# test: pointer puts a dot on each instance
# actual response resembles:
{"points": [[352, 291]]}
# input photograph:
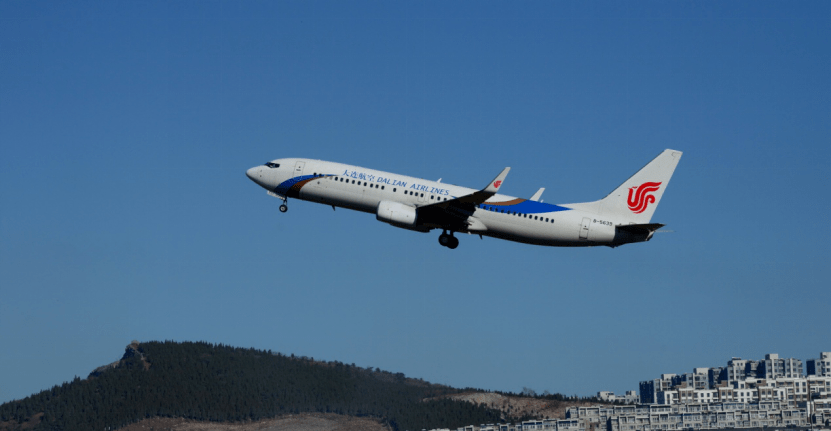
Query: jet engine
{"points": [[397, 214]]}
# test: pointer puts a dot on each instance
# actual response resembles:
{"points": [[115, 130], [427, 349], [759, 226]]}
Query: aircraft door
{"points": [[298, 168], [584, 228]]}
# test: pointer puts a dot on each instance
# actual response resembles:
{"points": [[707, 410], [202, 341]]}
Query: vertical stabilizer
{"points": [[636, 199]]}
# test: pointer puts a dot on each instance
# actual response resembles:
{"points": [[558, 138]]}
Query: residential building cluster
{"points": [[772, 392], [661, 417], [744, 381]]}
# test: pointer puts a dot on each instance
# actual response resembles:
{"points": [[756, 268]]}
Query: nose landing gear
{"points": [[448, 240], [283, 206]]}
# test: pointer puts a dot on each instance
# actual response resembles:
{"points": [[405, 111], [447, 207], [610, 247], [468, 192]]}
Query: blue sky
{"points": [[126, 129]]}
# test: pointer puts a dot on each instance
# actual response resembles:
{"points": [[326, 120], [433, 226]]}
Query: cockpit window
{"points": [[272, 165]]}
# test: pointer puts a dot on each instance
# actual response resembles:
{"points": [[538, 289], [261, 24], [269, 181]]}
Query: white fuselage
{"points": [[499, 216]]}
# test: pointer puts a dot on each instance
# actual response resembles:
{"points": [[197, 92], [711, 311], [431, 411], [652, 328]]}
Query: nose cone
{"points": [[252, 173], [256, 174]]}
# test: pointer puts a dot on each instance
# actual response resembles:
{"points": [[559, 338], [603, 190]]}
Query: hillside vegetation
{"points": [[207, 382]]}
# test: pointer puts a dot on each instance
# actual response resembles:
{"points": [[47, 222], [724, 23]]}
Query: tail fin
{"points": [[637, 198]]}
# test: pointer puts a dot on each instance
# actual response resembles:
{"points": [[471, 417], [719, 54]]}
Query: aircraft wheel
{"points": [[454, 242], [283, 208], [444, 239]]}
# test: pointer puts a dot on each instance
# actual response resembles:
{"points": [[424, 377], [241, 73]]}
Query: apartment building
{"points": [[631, 397], [774, 367], [649, 389], [819, 367]]}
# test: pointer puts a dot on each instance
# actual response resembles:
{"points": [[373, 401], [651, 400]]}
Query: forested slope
{"points": [[203, 381]]}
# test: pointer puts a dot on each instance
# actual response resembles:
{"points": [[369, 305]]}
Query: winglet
{"points": [[493, 187], [538, 194]]}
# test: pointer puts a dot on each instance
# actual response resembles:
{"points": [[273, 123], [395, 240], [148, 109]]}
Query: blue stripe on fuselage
{"points": [[528, 207], [284, 187]]}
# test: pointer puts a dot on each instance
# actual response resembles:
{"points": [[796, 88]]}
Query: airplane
{"points": [[622, 217]]}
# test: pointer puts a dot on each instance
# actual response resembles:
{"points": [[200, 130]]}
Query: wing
{"points": [[453, 214]]}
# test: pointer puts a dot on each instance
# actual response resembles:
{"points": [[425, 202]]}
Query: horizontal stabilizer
{"points": [[640, 228]]}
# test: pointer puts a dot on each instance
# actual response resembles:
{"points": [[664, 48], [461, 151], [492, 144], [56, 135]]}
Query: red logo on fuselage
{"points": [[497, 183], [640, 197]]}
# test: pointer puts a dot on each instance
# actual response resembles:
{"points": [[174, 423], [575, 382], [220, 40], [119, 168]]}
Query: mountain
{"points": [[200, 381]]}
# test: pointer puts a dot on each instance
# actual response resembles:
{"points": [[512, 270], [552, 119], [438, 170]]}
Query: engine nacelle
{"points": [[396, 213]]}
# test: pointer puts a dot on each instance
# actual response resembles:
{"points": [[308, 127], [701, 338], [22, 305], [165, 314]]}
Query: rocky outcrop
{"points": [[131, 351]]}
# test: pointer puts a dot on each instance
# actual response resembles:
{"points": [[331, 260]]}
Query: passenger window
{"points": [[382, 187], [394, 189]]}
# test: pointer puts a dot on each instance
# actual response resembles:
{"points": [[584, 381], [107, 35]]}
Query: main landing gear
{"points": [[284, 208], [448, 240]]}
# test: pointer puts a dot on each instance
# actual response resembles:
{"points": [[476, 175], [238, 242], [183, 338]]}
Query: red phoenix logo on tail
{"points": [[497, 184], [641, 196]]}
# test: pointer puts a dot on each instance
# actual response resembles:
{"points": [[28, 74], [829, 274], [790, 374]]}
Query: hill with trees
{"points": [[211, 382]]}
